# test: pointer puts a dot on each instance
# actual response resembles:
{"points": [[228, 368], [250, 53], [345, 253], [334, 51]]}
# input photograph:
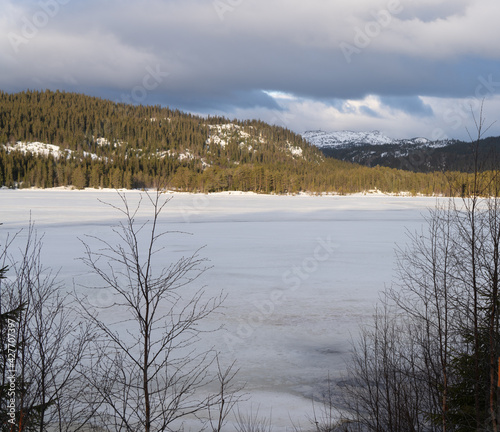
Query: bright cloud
{"points": [[382, 64]]}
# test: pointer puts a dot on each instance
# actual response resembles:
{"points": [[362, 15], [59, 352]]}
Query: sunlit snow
{"points": [[323, 139], [43, 149], [300, 273]]}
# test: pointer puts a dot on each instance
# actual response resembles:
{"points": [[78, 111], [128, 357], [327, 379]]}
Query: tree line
{"points": [[141, 147], [331, 176]]}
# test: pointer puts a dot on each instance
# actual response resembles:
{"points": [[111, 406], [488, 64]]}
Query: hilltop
{"points": [[415, 154]]}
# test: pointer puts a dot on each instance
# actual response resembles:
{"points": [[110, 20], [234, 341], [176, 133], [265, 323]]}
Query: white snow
{"points": [[225, 127], [300, 272], [43, 149], [295, 151], [180, 156], [217, 140], [330, 139], [222, 134], [38, 148], [421, 140], [102, 142], [348, 138], [187, 155], [105, 142]]}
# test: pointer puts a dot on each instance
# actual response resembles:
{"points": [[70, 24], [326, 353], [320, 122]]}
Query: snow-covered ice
{"points": [[300, 272]]}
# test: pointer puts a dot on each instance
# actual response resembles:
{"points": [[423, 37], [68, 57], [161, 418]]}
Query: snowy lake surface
{"points": [[301, 273]]}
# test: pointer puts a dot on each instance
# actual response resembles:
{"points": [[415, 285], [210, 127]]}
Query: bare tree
{"points": [[326, 416], [435, 346], [478, 244], [8, 316], [253, 422], [146, 367], [476, 238], [383, 389], [433, 352], [425, 293], [47, 343], [226, 399]]}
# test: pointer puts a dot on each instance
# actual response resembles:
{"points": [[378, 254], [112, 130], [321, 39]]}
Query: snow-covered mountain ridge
{"points": [[374, 148], [323, 139]]}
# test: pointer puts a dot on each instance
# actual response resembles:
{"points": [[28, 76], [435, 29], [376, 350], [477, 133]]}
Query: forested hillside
{"points": [[455, 155], [52, 139]]}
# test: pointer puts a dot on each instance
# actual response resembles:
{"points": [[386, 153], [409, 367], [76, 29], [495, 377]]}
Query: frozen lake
{"points": [[300, 272]]}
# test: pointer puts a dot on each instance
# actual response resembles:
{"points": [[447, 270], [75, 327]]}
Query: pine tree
{"points": [[79, 178]]}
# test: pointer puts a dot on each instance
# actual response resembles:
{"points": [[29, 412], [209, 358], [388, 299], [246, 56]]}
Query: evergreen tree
{"points": [[134, 146]]}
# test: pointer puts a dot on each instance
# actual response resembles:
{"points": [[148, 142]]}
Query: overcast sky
{"points": [[405, 67]]}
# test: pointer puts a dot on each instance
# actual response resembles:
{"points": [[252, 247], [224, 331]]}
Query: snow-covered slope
{"points": [[342, 138], [374, 148], [223, 134], [43, 149], [323, 139]]}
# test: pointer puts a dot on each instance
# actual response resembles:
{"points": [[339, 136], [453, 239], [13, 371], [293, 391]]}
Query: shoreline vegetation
{"points": [[371, 192]]}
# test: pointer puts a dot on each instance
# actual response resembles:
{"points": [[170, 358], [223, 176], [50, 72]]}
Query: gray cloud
{"points": [[433, 10], [410, 105], [222, 60]]}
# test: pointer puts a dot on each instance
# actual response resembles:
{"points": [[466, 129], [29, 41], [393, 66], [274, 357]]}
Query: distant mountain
{"points": [[415, 154], [345, 138], [350, 139]]}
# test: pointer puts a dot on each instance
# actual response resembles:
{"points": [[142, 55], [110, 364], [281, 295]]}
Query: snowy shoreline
{"points": [[368, 193]]}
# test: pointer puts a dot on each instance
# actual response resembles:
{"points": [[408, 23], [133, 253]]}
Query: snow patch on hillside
{"points": [[222, 134], [217, 140], [102, 142], [294, 150], [180, 156], [37, 149], [186, 155], [42, 149]]}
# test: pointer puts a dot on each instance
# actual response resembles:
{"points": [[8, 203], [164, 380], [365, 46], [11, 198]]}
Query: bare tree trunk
{"points": [[142, 380], [492, 243], [449, 295], [49, 343]]}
